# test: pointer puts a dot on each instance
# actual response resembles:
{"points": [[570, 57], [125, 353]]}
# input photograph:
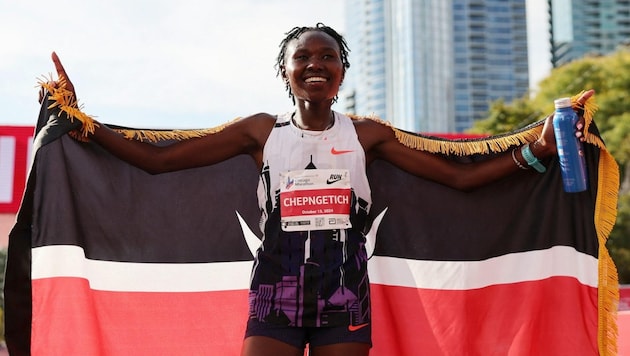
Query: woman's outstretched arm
{"points": [[380, 142]]}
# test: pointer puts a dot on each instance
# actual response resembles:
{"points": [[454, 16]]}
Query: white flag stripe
{"points": [[463, 275], [7, 164], [29, 156], [70, 261]]}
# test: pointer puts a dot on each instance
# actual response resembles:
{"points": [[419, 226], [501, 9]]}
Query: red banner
{"points": [[15, 157]]}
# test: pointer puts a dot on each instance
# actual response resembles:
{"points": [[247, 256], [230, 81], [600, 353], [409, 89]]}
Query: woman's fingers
{"points": [[585, 96], [61, 72]]}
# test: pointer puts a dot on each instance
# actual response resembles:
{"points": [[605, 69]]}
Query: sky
{"points": [[170, 64]]}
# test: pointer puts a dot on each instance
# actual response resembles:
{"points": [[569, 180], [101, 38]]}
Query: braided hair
{"points": [[295, 33]]}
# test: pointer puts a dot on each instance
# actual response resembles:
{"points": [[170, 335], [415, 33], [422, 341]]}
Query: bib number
{"points": [[315, 199]]}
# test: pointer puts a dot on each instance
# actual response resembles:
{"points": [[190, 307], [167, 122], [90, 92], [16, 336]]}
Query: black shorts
{"points": [[314, 336]]}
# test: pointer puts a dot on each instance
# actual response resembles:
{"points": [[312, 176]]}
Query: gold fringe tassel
{"points": [[608, 282], [494, 144], [178, 135], [605, 217], [605, 209], [64, 99]]}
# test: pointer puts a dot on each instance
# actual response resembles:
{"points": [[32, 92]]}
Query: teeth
{"points": [[315, 79]]}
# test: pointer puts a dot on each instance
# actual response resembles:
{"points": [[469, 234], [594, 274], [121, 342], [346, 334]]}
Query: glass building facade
{"points": [[491, 59], [434, 65], [364, 87], [587, 27]]}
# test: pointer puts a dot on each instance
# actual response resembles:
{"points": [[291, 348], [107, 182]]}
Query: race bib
{"points": [[315, 199]]}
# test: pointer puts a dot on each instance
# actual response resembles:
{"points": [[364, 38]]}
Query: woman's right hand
{"points": [[61, 77]]}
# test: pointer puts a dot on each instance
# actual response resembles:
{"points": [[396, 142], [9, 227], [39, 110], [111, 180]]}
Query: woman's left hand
{"points": [[547, 142]]}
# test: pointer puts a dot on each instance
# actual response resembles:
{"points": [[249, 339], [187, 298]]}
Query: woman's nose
{"points": [[314, 64]]}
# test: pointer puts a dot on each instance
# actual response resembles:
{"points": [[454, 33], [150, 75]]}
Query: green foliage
{"points": [[617, 138], [619, 240], [610, 77], [507, 117], [3, 263]]}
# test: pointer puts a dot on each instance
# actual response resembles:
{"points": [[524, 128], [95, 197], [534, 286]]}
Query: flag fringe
{"points": [[65, 101], [178, 135], [608, 282], [605, 217], [490, 144], [607, 193], [459, 147]]}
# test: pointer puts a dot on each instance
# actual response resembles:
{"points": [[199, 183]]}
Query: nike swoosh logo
{"points": [[339, 152], [357, 327], [333, 180]]}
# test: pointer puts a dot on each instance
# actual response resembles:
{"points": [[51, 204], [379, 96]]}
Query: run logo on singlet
{"points": [[315, 199]]}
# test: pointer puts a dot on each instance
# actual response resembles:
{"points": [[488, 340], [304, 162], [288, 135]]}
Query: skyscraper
{"points": [[435, 65], [491, 59], [579, 28], [364, 87]]}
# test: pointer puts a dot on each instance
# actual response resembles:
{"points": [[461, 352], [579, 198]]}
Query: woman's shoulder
{"points": [[370, 123], [252, 128], [258, 121], [372, 131], [262, 117]]}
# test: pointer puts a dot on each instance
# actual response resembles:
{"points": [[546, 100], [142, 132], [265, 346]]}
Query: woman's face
{"points": [[313, 67]]}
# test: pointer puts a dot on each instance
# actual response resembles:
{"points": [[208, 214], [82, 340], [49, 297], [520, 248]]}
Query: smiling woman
{"points": [[332, 49], [313, 71], [309, 285]]}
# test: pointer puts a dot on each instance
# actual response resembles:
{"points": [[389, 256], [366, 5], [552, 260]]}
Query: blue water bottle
{"points": [[570, 148]]}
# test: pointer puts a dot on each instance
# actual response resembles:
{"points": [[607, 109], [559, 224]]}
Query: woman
{"points": [[314, 197]]}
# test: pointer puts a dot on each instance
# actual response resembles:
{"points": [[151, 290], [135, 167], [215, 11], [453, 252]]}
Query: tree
{"points": [[507, 117], [610, 77], [619, 242], [3, 262]]}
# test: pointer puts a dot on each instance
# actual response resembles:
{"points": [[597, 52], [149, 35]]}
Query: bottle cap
{"points": [[562, 103]]}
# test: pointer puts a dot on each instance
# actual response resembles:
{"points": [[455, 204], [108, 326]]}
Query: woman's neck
{"points": [[303, 127], [313, 117]]}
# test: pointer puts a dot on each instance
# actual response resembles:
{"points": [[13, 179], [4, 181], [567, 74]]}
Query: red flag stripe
{"points": [[84, 321], [471, 322], [554, 316]]}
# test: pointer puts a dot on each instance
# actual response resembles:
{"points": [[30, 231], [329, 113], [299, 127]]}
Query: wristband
{"points": [[518, 164], [531, 160]]}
